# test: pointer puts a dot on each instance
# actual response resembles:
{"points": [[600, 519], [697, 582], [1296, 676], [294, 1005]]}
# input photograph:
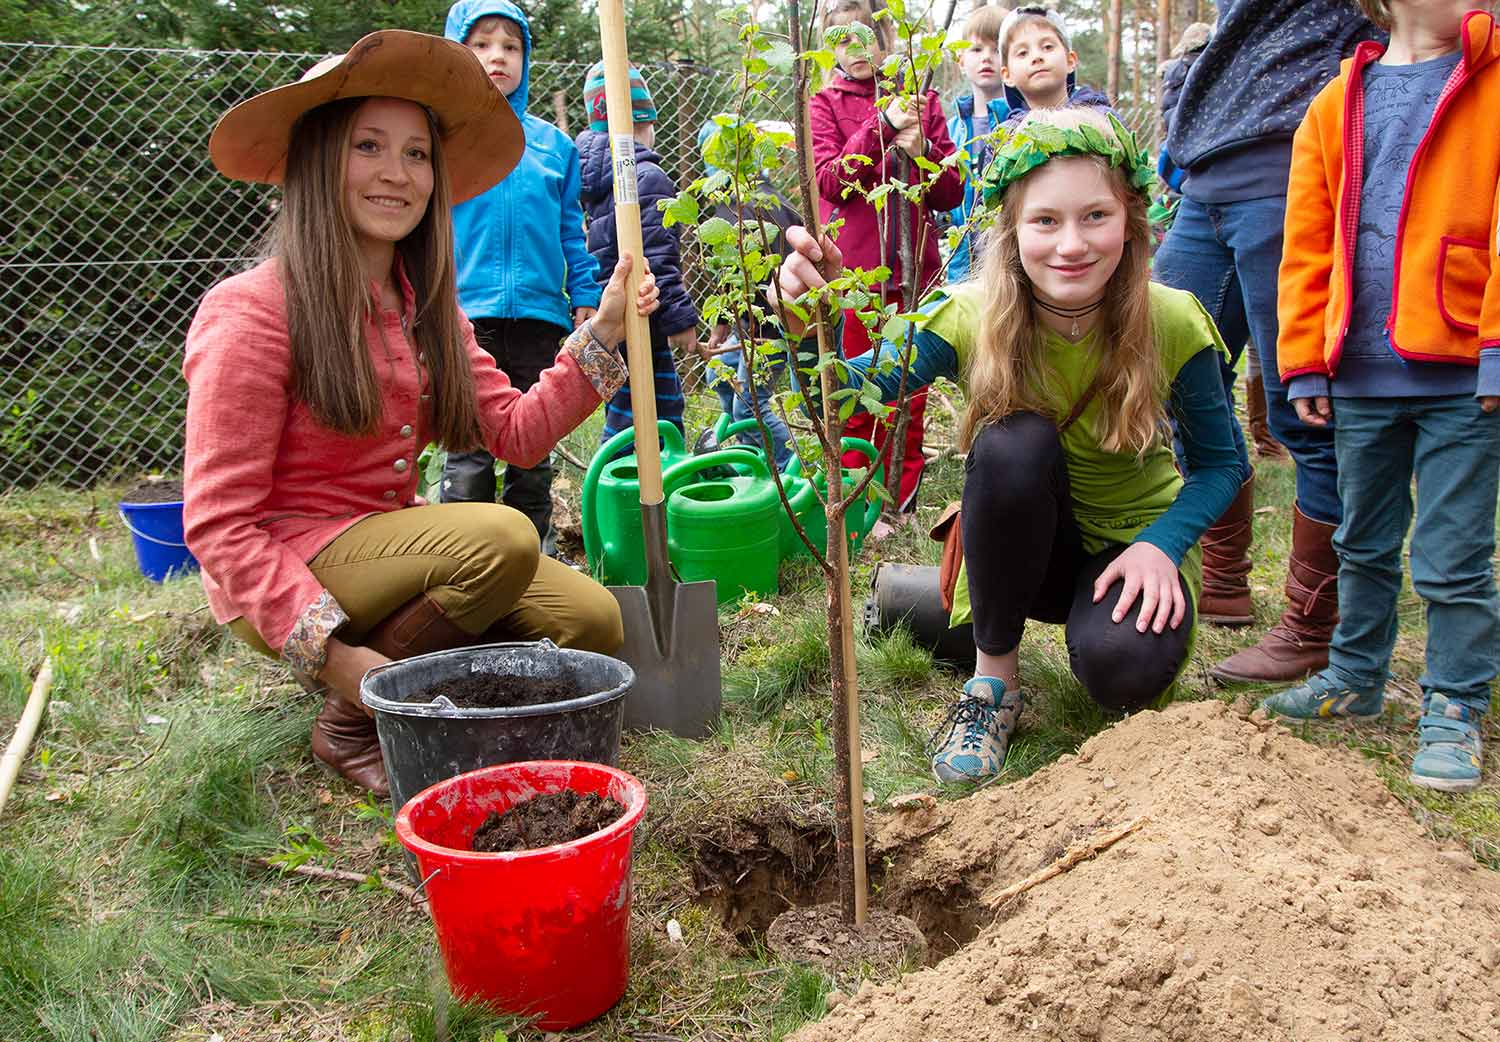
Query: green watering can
{"points": [[801, 495], [611, 507], [726, 529], [857, 522]]}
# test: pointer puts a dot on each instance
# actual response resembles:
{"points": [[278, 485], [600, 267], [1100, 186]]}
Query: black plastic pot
{"points": [[909, 595], [425, 742]]}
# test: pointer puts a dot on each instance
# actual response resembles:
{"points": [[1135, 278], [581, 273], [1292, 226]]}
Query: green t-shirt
{"points": [[1115, 495]]}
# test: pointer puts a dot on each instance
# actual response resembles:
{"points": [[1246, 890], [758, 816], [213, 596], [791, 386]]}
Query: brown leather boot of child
{"points": [[1298, 644], [1266, 445], [1226, 563]]}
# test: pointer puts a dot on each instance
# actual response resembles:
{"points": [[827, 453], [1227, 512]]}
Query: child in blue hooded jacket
{"points": [[525, 275]]}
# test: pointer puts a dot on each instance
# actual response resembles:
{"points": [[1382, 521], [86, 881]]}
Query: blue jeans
{"points": [[1453, 447], [1228, 255], [738, 405]]}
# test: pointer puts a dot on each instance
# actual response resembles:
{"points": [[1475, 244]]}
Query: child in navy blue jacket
{"points": [[675, 326], [525, 284]]}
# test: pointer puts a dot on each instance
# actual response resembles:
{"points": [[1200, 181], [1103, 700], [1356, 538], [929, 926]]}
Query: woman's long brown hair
{"points": [[329, 306], [1007, 373]]}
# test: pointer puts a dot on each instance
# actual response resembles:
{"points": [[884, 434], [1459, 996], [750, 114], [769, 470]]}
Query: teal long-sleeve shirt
{"points": [[1214, 470]]}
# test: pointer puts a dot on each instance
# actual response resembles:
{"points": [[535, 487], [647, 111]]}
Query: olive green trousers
{"points": [[479, 561]]}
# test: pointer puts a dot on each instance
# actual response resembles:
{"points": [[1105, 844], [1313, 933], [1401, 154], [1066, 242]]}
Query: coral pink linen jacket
{"points": [[267, 487]]}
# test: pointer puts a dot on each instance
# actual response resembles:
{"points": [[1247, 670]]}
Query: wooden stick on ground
{"points": [[31, 718], [1077, 853], [314, 872]]}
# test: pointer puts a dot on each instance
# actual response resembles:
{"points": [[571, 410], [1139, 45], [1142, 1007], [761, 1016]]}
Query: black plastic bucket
{"points": [[426, 742], [909, 595]]}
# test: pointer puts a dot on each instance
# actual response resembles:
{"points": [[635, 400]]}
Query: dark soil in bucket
{"points": [[546, 820], [154, 492], [504, 690], [819, 935]]}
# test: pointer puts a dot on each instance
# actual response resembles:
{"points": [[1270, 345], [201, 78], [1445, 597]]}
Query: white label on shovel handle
{"points": [[623, 147]]}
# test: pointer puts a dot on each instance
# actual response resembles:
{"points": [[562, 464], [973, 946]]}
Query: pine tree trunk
{"points": [[1112, 50]]}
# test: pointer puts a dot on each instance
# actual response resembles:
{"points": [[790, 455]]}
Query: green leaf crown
{"points": [[1018, 152]]}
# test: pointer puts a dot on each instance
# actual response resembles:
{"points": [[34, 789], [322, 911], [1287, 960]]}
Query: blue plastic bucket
{"points": [[156, 530]]}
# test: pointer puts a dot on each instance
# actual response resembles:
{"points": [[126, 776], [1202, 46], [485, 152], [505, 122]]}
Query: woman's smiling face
{"points": [[1070, 231], [388, 173]]}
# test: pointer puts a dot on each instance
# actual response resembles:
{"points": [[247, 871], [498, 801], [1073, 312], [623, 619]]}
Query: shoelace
{"points": [[975, 716]]}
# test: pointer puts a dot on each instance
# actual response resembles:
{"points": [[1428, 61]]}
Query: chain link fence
{"points": [[113, 224]]}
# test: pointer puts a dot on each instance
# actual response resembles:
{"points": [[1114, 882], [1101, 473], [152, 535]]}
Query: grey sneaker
{"points": [[1449, 750], [971, 742]]}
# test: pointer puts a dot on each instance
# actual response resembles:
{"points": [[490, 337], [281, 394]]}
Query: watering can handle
{"points": [[868, 450], [679, 472], [592, 540]]}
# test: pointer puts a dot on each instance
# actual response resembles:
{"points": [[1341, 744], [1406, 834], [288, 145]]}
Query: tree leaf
{"points": [[714, 231]]}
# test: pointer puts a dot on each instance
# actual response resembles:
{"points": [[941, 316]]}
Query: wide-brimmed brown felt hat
{"points": [[482, 138]]}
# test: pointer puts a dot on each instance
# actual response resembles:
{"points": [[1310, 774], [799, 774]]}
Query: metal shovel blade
{"points": [[677, 686], [671, 641]]}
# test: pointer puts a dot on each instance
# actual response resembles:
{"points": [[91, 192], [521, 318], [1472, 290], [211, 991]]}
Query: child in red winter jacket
{"points": [[856, 147]]}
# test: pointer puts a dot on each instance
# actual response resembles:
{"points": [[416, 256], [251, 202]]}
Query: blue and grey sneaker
{"points": [[1449, 750], [1322, 697], [970, 744]]}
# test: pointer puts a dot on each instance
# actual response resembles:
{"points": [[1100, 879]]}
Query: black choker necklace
{"points": [[1074, 313]]}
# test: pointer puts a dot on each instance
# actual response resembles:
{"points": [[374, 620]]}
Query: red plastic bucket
{"points": [[541, 933]]}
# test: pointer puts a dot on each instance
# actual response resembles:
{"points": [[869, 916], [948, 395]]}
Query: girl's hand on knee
{"points": [[1315, 412], [1148, 572]]}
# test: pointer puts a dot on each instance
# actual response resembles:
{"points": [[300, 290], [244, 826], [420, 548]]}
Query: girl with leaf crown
{"points": [[1073, 510]]}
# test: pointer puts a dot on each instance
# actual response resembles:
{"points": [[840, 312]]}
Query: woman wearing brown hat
{"points": [[315, 379]]}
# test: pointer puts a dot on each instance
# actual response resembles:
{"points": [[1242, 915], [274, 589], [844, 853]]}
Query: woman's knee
{"points": [[500, 552]]}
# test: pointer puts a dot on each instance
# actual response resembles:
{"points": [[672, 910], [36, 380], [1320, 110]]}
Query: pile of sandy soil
{"points": [[1275, 891]]}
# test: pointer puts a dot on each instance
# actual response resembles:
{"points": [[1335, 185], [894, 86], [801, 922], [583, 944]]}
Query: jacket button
{"points": [[389, 493], [406, 431], [400, 466]]}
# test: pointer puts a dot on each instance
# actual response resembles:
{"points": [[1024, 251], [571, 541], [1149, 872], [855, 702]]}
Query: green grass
{"points": [[133, 905]]}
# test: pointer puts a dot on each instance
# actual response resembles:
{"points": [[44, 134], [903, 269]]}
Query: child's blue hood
{"points": [[463, 15]]}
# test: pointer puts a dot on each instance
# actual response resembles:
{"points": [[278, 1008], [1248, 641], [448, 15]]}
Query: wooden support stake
{"points": [[31, 718]]}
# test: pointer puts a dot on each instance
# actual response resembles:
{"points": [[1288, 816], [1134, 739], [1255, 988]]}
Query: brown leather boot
{"points": [[1298, 644], [1266, 445], [344, 738], [1226, 563], [343, 735], [417, 627]]}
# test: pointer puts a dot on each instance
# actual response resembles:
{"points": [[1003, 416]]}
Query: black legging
{"points": [[1025, 560]]}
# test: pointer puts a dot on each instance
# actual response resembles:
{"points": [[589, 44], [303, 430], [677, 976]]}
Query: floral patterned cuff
{"points": [[306, 650], [599, 362]]}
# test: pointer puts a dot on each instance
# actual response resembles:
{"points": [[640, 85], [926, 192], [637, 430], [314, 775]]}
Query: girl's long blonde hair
{"points": [[1007, 372], [328, 301]]}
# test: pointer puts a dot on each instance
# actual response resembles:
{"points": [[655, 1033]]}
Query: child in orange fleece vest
{"points": [[1390, 322]]}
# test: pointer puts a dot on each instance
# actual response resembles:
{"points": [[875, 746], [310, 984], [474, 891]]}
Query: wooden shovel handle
{"points": [[628, 234]]}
